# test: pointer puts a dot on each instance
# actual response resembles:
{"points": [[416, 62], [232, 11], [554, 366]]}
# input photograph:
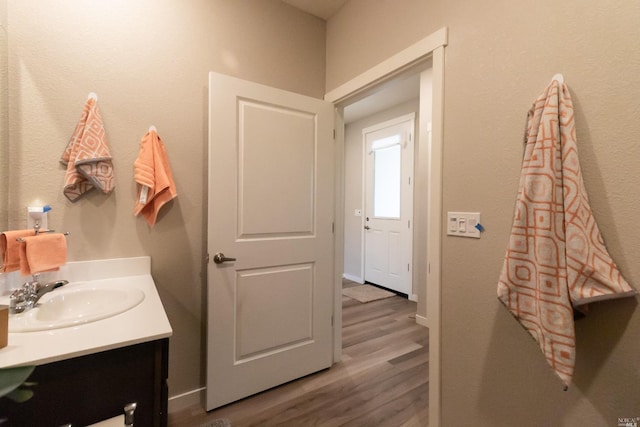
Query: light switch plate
{"points": [[463, 224]]}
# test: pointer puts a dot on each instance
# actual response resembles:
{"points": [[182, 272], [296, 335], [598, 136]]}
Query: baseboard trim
{"points": [[413, 297], [185, 400], [422, 321], [353, 278]]}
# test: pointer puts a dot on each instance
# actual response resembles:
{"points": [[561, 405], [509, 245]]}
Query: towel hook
{"points": [[92, 95], [558, 77], [153, 128]]}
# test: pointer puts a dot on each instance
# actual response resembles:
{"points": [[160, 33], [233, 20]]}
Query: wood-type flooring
{"points": [[381, 381]]}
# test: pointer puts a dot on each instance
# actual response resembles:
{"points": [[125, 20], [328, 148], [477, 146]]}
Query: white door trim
{"points": [[434, 229], [389, 123], [432, 47]]}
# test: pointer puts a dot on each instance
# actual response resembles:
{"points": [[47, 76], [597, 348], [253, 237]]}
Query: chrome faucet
{"points": [[29, 294]]}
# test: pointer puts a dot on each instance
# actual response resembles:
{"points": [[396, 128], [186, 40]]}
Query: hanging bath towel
{"points": [[87, 155], [44, 252], [153, 176], [556, 261]]}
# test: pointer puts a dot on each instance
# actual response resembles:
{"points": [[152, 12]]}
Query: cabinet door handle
{"points": [[129, 410]]}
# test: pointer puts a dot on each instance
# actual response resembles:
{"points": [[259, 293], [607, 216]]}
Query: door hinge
{"points": [[409, 223], [333, 227], [407, 267], [331, 320], [334, 134]]}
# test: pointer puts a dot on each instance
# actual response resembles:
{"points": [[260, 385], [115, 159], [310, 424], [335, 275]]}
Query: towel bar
{"points": [[20, 239]]}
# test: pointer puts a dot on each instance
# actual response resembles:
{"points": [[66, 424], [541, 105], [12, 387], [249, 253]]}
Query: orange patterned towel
{"points": [[44, 252], [556, 261], [10, 248], [87, 155], [153, 175]]}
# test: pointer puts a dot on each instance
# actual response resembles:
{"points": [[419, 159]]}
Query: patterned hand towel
{"points": [[10, 248], [87, 156], [44, 252], [556, 261], [153, 175]]}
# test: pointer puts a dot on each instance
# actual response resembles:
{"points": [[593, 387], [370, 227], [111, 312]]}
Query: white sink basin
{"points": [[75, 304]]}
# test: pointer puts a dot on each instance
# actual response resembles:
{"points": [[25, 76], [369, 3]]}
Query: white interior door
{"points": [[389, 203], [271, 203]]}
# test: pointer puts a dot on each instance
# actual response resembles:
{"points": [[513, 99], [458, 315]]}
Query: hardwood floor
{"points": [[382, 379]]}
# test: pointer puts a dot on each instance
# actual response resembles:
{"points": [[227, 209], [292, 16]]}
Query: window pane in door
{"points": [[386, 182]]}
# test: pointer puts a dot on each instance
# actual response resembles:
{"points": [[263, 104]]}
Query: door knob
{"points": [[219, 258], [366, 227]]}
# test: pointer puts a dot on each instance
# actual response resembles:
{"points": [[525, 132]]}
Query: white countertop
{"points": [[145, 322]]}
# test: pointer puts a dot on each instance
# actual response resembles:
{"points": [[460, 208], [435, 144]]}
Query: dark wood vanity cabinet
{"points": [[88, 389]]}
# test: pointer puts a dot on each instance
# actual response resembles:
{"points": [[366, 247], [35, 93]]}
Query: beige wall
{"points": [[4, 116], [501, 55], [148, 61]]}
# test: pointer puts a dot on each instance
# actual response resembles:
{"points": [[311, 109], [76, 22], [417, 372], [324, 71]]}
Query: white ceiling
{"points": [[321, 8]]}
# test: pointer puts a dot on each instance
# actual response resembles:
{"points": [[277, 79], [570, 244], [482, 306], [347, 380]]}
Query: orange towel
{"points": [[87, 156], [153, 175], [44, 252], [10, 248], [556, 261]]}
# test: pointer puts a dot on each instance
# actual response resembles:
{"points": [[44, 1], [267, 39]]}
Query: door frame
{"points": [[430, 47], [410, 117]]}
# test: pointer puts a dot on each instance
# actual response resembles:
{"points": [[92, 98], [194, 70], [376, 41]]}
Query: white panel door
{"points": [[271, 208], [389, 204]]}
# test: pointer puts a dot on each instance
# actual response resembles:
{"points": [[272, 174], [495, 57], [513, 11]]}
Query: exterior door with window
{"points": [[389, 203]]}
